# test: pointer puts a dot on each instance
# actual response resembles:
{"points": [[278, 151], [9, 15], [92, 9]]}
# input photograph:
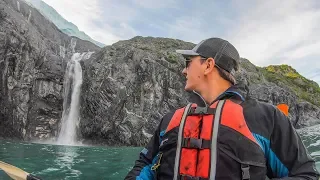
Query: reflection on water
{"points": [[66, 159]]}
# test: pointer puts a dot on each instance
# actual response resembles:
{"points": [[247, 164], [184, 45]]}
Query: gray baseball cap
{"points": [[223, 52]]}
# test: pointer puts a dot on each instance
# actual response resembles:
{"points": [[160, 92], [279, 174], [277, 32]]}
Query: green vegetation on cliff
{"points": [[304, 88]]}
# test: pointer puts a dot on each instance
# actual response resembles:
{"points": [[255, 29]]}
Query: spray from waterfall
{"points": [[71, 99]]}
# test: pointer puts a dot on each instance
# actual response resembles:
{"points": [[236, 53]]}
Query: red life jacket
{"points": [[196, 153]]}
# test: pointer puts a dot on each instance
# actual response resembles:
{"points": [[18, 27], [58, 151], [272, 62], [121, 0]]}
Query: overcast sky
{"points": [[265, 32]]}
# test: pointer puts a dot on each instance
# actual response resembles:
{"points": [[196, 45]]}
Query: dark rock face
{"points": [[130, 85], [127, 87], [33, 56]]}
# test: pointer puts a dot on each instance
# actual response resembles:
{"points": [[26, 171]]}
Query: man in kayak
{"points": [[224, 134]]}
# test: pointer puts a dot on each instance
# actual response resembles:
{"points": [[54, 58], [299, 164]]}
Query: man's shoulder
{"points": [[259, 106], [168, 116], [259, 117], [170, 113]]}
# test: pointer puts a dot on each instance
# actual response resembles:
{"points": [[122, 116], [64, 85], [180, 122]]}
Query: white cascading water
{"points": [[72, 89]]}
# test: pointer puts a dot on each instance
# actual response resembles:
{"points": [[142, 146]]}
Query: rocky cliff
{"points": [[130, 85], [127, 87], [280, 87], [33, 56]]}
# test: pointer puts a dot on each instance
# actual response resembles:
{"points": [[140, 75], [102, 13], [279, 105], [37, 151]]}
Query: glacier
{"points": [[65, 26]]}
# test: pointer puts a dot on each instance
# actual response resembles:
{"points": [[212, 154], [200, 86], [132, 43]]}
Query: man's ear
{"points": [[209, 66]]}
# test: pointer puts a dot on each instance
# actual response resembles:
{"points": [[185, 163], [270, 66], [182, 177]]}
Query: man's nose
{"points": [[184, 71]]}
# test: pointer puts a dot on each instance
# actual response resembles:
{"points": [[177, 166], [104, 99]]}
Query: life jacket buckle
{"points": [[245, 172], [201, 110], [194, 143]]}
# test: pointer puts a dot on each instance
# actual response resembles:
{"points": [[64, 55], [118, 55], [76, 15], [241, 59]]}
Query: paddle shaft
{"points": [[17, 173], [32, 177]]}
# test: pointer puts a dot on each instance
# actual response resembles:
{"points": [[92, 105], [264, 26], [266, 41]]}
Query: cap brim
{"points": [[187, 52]]}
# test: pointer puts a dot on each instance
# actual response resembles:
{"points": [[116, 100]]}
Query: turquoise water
{"points": [[311, 139], [68, 162], [87, 162]]}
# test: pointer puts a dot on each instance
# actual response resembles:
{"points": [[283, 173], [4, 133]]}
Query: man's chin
{"points": [[188, 88]]}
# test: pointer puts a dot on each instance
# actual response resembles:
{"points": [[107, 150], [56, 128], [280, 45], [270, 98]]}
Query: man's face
{"points": [[194, 72]]}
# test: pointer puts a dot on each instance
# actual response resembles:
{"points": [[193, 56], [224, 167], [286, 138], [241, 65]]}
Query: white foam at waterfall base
{"points": [[72, 90]]}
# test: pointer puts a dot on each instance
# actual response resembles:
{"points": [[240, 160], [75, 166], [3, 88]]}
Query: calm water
{"points": [[84, 162]]}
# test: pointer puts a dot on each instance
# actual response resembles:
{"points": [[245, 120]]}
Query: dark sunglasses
{"points": [[189, 59]]}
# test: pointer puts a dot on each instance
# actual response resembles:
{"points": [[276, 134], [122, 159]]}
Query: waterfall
{"points": [[71, 97]]}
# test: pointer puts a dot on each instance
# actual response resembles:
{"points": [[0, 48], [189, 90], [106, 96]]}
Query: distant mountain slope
{"points": [[64, 25]]}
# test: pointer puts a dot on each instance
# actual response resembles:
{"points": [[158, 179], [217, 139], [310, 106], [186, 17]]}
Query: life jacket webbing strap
{"points": [[213, 163], [194, 143], [201, 111], [179, 143], [186, 177]]}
